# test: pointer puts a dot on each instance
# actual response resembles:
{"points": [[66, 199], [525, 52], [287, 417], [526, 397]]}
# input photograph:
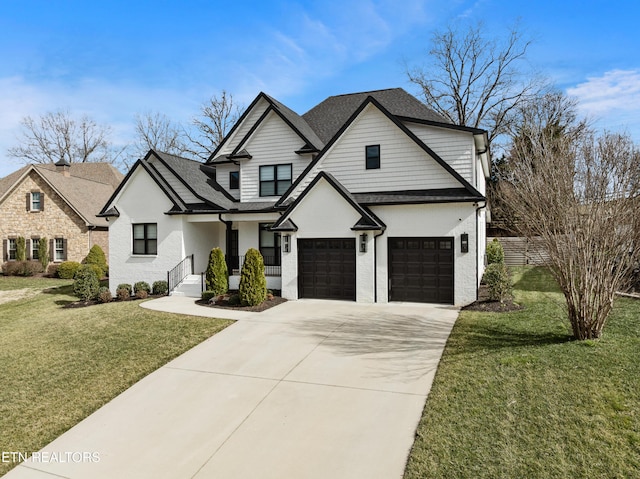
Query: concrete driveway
{"points": [[308, 389]]}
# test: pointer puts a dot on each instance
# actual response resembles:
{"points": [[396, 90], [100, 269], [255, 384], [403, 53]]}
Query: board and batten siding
{"points": [[174, 182], [453, 146], [403, 164], [242, 130], [273, 143]]}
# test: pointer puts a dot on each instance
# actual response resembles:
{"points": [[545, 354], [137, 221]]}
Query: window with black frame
{"points": [[269, 245], [145, 238], [275, 180]]}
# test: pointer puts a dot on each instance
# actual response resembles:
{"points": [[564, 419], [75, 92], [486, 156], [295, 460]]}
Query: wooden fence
{"points": [[522, 251]]}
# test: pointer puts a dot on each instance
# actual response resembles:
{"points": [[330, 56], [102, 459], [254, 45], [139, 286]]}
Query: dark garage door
{"points": [[421, 270], [327, 268]]}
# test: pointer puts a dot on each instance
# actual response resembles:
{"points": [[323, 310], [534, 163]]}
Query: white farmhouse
{"points": [[368, 197]]}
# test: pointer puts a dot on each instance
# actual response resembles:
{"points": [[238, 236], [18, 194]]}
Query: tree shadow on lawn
{"points": [[537, 279], [66, 290], [483, 337]]}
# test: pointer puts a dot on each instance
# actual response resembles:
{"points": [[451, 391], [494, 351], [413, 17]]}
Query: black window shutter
{"points": [[28, 201], [52, 253], [5, 253], [41, 201], [28, 248], [64, 249]]}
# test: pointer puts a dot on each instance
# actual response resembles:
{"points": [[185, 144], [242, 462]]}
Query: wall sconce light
{"points": [[464, 242], [363, 243], [286, 243]]}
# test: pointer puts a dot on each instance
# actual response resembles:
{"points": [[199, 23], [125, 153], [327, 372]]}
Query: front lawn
{"points": [[514, 396], [59, 365]]}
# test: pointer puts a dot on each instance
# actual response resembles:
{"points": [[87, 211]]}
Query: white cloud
{"points": [[616, 89], [612, 99]]}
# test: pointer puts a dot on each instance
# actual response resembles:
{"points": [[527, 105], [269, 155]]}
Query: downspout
{"points": [[375, 265], [484, 246], [227, 239]]}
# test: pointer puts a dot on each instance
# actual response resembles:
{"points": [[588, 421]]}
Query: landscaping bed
{"points": [[229, 301]]}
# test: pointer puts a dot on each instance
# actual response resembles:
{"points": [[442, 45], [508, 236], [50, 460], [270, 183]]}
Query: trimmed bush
{"points": [[217, 276], [86, 283], [160, 288], [209, 295], [498, 280], [97, 270], [21, 249], [234, 300], [104, 295], [52, 270], [253, 283], [123, 291], [43, 252], [495, 252], [96, 256], [21, 268], [141, 289], [68, 269]]}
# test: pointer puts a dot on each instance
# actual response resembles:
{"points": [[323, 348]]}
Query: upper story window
{"points": [[372, 153], [275, 180], [145, 238], [234, 180], [35, 201]]}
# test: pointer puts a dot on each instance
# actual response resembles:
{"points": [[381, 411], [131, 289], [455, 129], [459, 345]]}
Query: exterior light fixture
{"points": [[286, 243], [464, 243], [363, 243]]}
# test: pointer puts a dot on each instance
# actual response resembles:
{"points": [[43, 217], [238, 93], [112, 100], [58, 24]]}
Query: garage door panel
{"points": [[421, 270], [327, 268]]}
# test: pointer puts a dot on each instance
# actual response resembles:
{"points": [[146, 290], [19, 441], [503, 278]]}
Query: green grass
{"points": [[514, 396], [59, 365]]}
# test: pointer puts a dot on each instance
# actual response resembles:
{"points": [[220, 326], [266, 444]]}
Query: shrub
{"points": [[209, 295], [97, 270], [495, 252], [21, 249], [52, 269], [96, 256], [141, 289], [21, 268], [160, 288], [68, 269], [43, 252], [253, 283], [104, 295], [498, 280], [217, 276], [86, 283], [123, 291], [234, 300]]}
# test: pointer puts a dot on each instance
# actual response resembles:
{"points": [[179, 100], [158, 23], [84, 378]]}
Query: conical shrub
{"points": [[253, 283], [216, 276]]}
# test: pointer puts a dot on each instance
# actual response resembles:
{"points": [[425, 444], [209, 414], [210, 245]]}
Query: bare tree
{"points": [[576, 194], [216, 117], [57, 135], [155, 131], [475, 81]]}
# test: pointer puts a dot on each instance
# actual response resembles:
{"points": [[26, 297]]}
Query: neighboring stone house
{"points": [[370, 197], [58, 202]]}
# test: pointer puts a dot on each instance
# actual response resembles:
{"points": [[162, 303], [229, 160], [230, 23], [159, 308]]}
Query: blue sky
{"points": [[114, 59]]}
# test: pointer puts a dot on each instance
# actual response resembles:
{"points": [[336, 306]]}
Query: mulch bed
{"points": [[485, 304], [224, 304]]}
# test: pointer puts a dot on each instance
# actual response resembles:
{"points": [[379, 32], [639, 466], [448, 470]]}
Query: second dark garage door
{"points": [[327, 268], [421, 270]]}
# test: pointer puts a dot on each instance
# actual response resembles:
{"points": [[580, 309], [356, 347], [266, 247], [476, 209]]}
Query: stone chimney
{"points": [[63, 166]]}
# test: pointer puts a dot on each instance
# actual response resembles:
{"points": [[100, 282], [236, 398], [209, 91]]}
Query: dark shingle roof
{"points": [[329, 116], [443, 195], [299, 123]]}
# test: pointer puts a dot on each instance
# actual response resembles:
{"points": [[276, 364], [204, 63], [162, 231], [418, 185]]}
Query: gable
{"points": [[324, 212], [244, 125], [140, 194], [272, 143], [404, 164]]}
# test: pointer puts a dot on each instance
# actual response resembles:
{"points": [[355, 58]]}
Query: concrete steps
{"points": [[190, 287]]}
